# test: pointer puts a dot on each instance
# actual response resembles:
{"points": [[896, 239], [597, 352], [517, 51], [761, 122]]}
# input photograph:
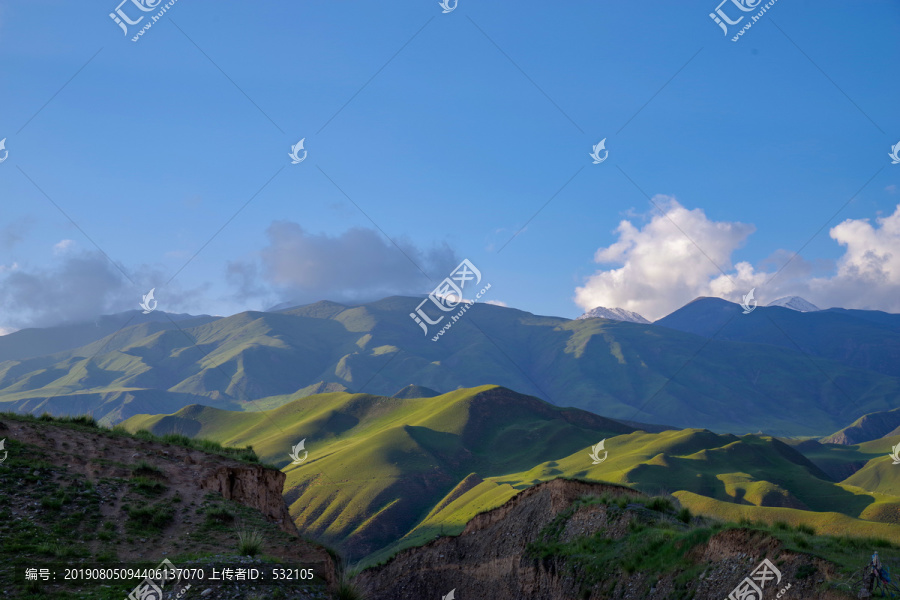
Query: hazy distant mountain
{"points": [[795, 303], [614, 314], [32, 342], [283, 306], [858, 338], [626, 371]]}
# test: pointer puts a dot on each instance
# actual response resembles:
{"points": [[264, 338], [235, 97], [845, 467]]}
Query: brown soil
{"points": [[190, 481], [488, 559]]}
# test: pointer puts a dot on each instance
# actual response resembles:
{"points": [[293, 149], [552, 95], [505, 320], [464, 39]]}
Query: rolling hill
{"points": [[386, 473], [376, 464], [868, 428]]}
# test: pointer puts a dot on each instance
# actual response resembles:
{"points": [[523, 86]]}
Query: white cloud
{"points": [[63, 246], [868, 274], [497, 303], [661, 269]]}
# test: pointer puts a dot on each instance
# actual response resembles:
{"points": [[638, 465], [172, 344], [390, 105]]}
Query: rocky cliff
{"points": [[495, 556], [131, 498], [254, 486]]}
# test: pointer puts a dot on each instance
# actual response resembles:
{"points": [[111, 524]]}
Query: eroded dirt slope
{"points": [[491, 558], [78, 494]]}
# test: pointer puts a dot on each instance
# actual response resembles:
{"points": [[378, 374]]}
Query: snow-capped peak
{"points": [[795, 303], [614, 314]]}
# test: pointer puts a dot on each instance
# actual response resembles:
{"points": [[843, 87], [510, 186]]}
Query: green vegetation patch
{"points": [[83, 422], [657, 542], [659, 538], [149, 519]]}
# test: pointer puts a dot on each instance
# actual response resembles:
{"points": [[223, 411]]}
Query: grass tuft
{"points": [[249, 542]]}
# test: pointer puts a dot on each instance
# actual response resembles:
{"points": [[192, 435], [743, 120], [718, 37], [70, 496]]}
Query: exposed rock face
{"points": [[488, 559], [190, 474], [253, 486]]}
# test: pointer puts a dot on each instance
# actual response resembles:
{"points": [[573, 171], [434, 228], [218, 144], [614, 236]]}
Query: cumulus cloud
{"points": [[359, 264], [497, 303], [868, 274], [662, 264], [660, 269]]}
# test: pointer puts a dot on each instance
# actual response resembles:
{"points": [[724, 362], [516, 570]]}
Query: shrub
{"points": [[86, 420], [149, 519], [805, 571], [660, 504], [219, 514], [147, 486], [143, 468]]}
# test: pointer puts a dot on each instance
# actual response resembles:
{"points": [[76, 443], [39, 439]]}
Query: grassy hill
{"points": [[377, 465], [627, 371], [867, 428], [387, 473], [720, 476]]}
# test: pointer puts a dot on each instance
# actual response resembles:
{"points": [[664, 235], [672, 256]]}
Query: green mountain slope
{"points": [[867, 428], [879, 474], [377, 465], [386, 473], [722, 476], [627, 371], [33, 341]]}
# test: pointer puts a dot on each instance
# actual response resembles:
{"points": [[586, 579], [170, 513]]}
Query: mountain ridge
{"points": [[624, 371]]}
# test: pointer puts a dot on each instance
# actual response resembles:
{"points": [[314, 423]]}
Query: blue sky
{"points": [[446, 133]]}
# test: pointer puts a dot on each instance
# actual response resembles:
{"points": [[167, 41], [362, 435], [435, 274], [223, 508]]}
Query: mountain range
{"points": [[620, 314], [864, 339], [705, 365]]}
